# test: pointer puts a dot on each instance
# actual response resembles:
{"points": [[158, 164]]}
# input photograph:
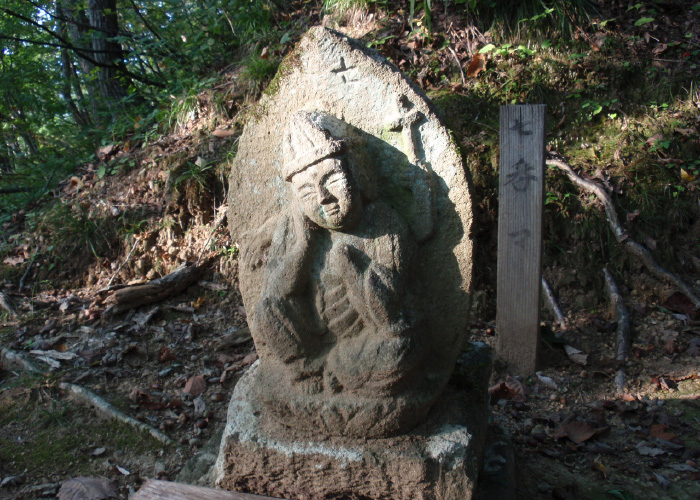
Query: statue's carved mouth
{"points": [[331, 210]]}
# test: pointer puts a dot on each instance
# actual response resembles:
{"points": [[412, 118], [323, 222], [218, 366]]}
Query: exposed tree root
{"points": [[11, 360], [622, 236], [6, 304], [552, 304], [88, 397], [156, 290], [623, 328]]}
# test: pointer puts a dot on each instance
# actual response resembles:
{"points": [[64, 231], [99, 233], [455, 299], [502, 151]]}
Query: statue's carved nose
{"points": [[324, 196]]}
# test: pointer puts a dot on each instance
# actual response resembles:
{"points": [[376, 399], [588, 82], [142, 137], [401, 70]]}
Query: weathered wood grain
{"points": [[165, 490], [521, 194]]}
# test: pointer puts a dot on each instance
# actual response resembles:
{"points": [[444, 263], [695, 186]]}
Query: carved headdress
{"points": [[306, 143]]}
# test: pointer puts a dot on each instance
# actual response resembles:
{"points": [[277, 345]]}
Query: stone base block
{"points": [[438, 460]]}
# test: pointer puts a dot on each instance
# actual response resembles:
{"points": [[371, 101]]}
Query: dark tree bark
{"points": [[70, 78], [108, 52], [19, 123], [7, 164], [76, 30]]}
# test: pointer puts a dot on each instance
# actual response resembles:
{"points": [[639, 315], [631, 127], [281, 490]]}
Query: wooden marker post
{"points": [[520, 200]]}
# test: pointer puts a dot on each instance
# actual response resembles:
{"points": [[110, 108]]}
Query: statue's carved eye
{"points": [[307, 191], [336, 181]]}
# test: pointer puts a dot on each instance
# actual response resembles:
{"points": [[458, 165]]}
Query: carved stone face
{"points": [[328, 195]]}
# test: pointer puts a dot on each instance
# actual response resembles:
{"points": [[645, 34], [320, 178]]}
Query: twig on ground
{"points": [[459, 65], [552, 304], [218, 222], [88, 397], [623, 328], [128, 256], [6, 303], [623, 236], [26, 273], [15, 360]]}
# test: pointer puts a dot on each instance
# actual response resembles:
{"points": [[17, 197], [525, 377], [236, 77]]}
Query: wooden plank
{"points": [[521, 194], [165, 490]]}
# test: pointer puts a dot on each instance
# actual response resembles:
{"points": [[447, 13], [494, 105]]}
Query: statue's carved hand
{"points": [[339, 257]]}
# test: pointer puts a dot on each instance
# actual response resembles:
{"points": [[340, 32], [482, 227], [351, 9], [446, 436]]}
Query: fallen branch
{"points": [[552, 304], [90, 398], [623, 328], [7, 304], [26, 273], [622, 236], [17, 361], [156, 290]]}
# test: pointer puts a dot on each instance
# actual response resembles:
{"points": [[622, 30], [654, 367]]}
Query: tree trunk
{"points": [[19, 124], [103, 20], [76, 27], [70, 76]]}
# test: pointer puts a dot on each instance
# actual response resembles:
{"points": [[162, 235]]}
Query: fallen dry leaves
{"points": [[578, 432], [195, 386], [87, 488], [476, 66], [511, 389]]}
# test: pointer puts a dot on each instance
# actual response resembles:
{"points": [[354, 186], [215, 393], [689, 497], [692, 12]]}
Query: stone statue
{"points": [[336, 336], [352, 208]]}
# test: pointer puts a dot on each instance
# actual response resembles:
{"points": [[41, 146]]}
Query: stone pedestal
{"points": [[438, 460]]}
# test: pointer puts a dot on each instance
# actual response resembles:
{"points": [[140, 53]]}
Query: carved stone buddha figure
{"points": [[335, 337]]}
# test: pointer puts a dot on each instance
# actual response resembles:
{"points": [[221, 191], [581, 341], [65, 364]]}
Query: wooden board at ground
{"points": [[165, 490], [521, 193]]}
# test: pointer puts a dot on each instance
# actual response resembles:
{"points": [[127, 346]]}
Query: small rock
{"points": [[544, 487], [200, 407], [159, 469]]}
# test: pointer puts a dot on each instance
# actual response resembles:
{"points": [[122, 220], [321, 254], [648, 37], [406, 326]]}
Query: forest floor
{"points": [[140, 210]]}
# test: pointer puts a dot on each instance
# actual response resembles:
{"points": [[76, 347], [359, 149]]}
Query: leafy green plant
{"points": [[427, 14], [339, 8], [530, 18], [193, 172], [74, 228], [259, 69], [114, 166], [592, 107], [506, 49]]}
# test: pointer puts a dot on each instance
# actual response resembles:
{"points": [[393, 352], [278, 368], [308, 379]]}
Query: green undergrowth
{"points": [[628, 122], [41, 428]]}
